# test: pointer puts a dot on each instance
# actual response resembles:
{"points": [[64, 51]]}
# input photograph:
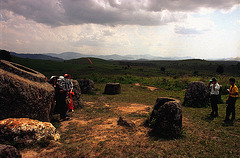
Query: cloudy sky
{"points": [[197, 28]]}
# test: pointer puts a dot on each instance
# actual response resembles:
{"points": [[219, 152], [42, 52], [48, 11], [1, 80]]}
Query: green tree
{"points": [[5, 55], [220, 69]]}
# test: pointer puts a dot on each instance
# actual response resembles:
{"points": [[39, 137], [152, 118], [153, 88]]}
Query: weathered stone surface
{"points": [[197, 95], [125, 122], [166, 117], [7, 151], [25, 131], [24, 93], [112, 88], [77, 100], [86, 86]]}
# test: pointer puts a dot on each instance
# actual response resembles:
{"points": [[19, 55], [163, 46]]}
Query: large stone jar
{"points": [[24, 93], [87, 86], [112, 88], [166, 117], [77, 100], [197, 95]]}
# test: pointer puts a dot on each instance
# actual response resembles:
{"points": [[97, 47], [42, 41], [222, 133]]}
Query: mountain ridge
{"points": [[74, 55], [36, 56]]}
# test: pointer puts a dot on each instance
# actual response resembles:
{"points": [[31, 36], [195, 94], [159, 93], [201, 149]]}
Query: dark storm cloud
{"points": [[190, 5], [109, 12]]}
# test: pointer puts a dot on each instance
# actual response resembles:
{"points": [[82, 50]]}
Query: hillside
{"points": [[74, 55], [108, 69], [36, 56]]}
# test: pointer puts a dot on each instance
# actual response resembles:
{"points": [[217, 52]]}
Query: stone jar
{"points": [[166, 117], [24, 93]]}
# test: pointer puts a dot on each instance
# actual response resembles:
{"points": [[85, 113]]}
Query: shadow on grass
{"points": [[208, 118], [156, 135], [227, 123]]}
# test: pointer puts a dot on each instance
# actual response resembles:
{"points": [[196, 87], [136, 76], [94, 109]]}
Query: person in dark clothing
{"points": [[61, 94], [233, 94], [214, 92]]}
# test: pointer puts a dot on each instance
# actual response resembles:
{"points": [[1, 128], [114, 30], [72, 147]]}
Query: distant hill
{"points": [[74, 55], [67, 55], [235, 59], [36, 56]]}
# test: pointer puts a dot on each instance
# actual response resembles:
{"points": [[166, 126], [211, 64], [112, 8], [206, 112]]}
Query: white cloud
{"points": [[194, 25], [238, 21], [163, 28], [111, 12]]}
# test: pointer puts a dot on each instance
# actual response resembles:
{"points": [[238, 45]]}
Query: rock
{"points": [[125, 122], [77, 100], [166, 117], [26, 131], [197, 95], [24, 93], [7, 151], [112, 88], [87, 86]]}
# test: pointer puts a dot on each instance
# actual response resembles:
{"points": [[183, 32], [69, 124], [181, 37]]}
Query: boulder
{"points": [[125, 122], [7, 151], [24, 93], [77, 100], [166, 117], [112, 88], [87, 86], [197, 95], [26, 131]]}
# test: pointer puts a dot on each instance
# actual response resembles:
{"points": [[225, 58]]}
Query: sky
{"points": [[203, 29]]}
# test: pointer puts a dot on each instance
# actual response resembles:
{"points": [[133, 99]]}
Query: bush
{"points": [[5, 55]]}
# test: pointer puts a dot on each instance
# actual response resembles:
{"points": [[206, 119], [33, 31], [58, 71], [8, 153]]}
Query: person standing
{"points": [[61, 99], [214, 93], [70, 92], [233, 94]]}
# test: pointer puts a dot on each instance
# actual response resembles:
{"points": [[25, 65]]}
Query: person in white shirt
{"points": [[214, 92]]}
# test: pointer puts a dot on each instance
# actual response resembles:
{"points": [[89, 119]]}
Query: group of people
{"points": [[231, 100], [64, 95]]}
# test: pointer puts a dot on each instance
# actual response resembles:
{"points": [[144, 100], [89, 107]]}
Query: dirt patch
{"points": [[148, 87], [78, 121], [102, 136], [134, 108], [29, 154], [91, 104]]}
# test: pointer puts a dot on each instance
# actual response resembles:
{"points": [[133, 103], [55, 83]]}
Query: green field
{"points": [[93, 131]]}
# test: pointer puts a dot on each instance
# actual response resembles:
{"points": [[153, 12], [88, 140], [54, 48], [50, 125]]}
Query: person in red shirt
{"points": [[70, 93]]}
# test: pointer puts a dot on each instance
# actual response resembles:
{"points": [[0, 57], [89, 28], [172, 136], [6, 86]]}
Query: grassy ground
{"points": [[93, 130]]}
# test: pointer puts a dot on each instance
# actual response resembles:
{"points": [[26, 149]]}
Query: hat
{"points": [[61, 77], [214, 79], [52, 77], [66, 75]]}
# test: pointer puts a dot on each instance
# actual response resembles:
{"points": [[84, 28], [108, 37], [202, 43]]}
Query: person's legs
{"points": [[230, 108], [212, 104], [63, 107], [233, 108], [214, 101], [228, 112], [216, 110]]}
